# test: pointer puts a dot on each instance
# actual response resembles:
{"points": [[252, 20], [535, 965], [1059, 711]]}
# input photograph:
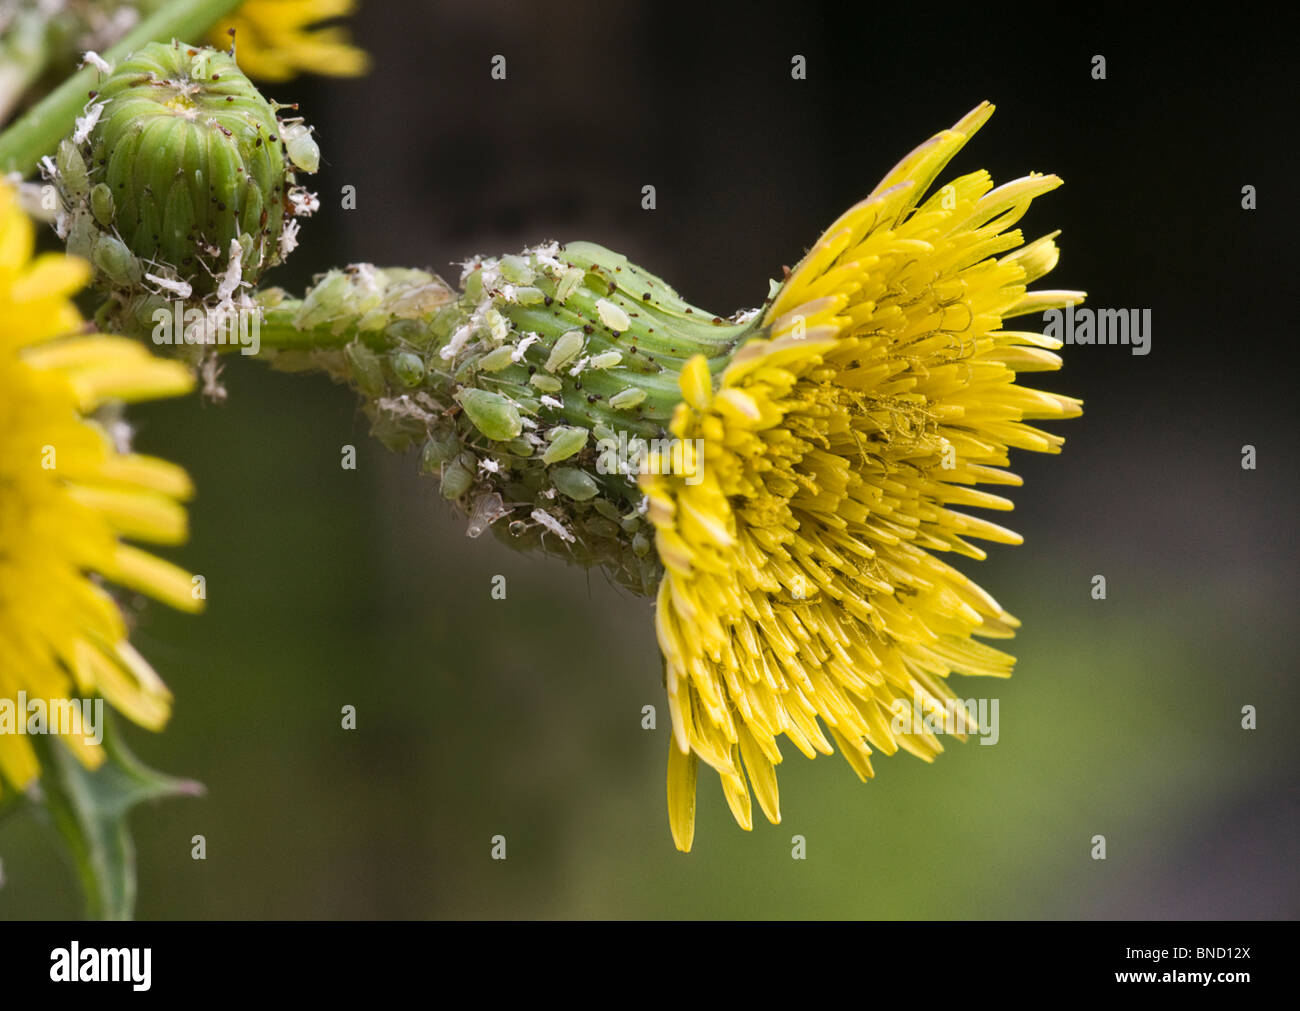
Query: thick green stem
{"points": [[280, 333], [542, 391], [41, 128]]}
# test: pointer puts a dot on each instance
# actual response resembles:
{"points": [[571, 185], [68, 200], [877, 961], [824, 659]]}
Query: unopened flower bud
{"points": [[182, 163]]}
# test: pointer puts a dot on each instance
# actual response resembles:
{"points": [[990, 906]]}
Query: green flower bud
{"points": [[182, 160]]}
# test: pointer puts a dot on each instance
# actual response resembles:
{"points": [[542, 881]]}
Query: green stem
{"points": [[278, 332], [41, 128]]}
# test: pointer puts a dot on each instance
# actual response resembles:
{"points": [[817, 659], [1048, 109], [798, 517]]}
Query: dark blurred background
{"points": [[478, 717]]}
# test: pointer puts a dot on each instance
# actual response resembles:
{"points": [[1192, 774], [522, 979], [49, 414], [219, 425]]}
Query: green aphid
{"points": [[497, 359], [607, 509], [598, 526], [441, 446], [458, 476], [114, 260], [300, 146], [366, 370], [102, 204], [570, 278], [574, 483], [567, 347], [516, 269], [627, 399], [491, 413], [408, 367], [565, 442], [605, 360], [72, 170]]}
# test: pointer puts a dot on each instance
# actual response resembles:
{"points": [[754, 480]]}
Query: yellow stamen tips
{"points": [[279, 39], [69, 496], [803, 586]]}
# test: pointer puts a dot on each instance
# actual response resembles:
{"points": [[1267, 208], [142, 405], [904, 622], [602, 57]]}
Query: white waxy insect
{"points": [[181, 289], [490, 274], [528, 341], [548, 255], [552, 524], [467, 267], [487, 510], [303, 202], [234, 275], [578, 366], [489, 465], [93, 59], [612, 315], [86, 123], [289, 239], [459, 338], [552, 402]]}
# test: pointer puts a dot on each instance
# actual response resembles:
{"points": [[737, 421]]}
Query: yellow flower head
{"points": [[803, 591], [69, 497], [275, 40]]}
